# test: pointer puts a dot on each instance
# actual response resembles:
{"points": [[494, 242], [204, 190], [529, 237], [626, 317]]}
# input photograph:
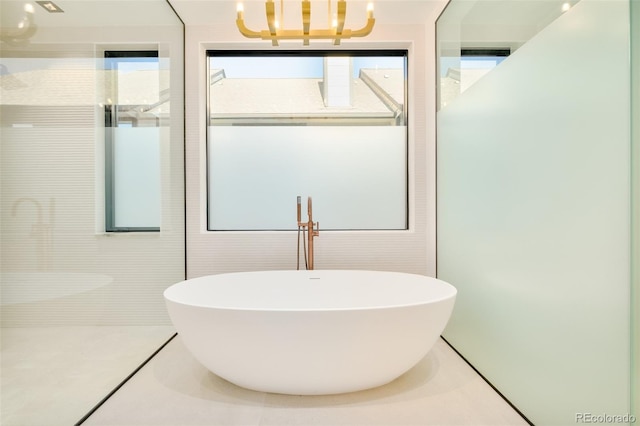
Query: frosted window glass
{"points": [[137, 177], [356, 176]]}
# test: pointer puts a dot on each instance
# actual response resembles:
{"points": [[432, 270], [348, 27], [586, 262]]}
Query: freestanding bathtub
{"points": [[310, 332]]}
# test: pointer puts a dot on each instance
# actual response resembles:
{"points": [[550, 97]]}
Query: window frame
{"points": [[111, 121], [392, 52]]}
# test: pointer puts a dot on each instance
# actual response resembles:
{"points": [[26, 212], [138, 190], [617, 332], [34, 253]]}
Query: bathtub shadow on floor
{"points": [[174, 389], [176, 369]]}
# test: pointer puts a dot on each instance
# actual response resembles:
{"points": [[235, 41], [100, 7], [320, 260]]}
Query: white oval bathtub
{"points": [[310, 332]]}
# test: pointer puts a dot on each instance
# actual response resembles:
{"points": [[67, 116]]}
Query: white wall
{"points": [[409, 251], [534, 218]]}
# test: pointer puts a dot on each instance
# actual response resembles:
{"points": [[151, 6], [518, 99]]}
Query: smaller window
{"points": [[458, 72], [132, 140]]}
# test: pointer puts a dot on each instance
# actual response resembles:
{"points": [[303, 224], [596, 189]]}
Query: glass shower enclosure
{"points": [[92, 198], [538, 202]]}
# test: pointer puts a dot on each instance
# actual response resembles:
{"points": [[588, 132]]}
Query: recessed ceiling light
{"points": [[50, 6]]}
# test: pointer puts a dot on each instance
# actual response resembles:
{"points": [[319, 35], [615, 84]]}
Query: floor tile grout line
{"points": [[488, 382], [121, 384]]}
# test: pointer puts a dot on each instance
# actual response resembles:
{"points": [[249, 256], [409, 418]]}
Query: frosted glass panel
{"points": [[635, 191], [533, 218], [137, 177], [356, 176], [468, 27]]}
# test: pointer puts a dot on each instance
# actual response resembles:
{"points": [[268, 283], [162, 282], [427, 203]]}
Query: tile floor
{"points": [[52, 376], [173, 389]]}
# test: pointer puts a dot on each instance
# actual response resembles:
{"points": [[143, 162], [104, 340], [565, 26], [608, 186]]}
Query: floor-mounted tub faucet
{"points": [[313, 230]]}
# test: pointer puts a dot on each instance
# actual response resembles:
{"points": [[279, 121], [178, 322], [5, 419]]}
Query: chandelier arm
{"points": [[342, 13], [246, 31], [242, 27], [364, 31], [271, 21], [306, 21]]}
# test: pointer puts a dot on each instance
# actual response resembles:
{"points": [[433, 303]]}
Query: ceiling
{"points": [[98, 13], [506, 17], [206, 12]]}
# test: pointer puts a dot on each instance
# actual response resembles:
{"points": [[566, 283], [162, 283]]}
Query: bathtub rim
{"points": [[452, 295]]}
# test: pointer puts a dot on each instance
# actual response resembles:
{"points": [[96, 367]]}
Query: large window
{"points": [[329, 125], [136, 99]]}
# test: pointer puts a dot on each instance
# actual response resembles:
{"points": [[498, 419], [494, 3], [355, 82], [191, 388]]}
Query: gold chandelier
{"points": [[335, 32]]}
